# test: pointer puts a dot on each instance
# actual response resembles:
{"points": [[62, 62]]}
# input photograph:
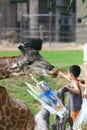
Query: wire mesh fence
{"points": [[48, 27]]}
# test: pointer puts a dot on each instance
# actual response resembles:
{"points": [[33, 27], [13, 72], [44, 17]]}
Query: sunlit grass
{"points": [[16, 86]]}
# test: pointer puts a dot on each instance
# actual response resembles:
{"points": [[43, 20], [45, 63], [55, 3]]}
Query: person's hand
{"points": [[85, 93], [81, 84], [60, 73], [67, 86], [81, 80]]}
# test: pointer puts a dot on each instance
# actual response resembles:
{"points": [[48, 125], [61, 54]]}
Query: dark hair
{"points": [[75, 70]]}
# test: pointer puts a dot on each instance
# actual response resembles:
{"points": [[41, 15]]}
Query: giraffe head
{"points": [[30, 61]]}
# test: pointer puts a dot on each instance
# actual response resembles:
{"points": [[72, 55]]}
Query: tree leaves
{"points": [[83, 1], [70, 4], [51, 3], [85, 16]]}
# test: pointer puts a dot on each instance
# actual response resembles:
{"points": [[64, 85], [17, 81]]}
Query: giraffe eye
{"points": [[29, 62]]}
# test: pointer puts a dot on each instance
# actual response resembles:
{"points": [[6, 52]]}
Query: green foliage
{"points": [[70, 4], [57, 58], [83, 1], [85, 16], [63, 59], [9, 53], [51, 3]]}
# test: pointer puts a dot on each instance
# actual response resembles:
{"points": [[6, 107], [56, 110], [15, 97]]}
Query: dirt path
{"points": [[62, 46], [5, 45]]}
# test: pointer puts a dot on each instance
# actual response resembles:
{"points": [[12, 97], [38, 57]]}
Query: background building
{"points": [[35, 18]]}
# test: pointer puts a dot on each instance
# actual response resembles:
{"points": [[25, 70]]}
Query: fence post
{"points": [[1, 24], [50, 28]]}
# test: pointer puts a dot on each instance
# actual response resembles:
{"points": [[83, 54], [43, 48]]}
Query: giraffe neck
{"points": [[14, 114], [4, 64]]}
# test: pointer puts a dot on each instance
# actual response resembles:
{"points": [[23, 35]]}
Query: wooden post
{"points": [[50, 28]]}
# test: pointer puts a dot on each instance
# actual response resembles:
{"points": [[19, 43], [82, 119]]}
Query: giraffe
{"points": [[29, 61], [4, 64], [14, 114]]}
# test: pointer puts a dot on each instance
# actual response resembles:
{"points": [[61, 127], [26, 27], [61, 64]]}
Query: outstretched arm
{"points": [[64, 76]]}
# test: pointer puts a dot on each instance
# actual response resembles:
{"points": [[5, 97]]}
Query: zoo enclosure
{"points": [[49, 27]]}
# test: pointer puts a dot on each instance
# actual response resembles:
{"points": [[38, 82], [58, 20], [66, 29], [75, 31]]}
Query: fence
{"points": [[9, 33], [49, 27]]}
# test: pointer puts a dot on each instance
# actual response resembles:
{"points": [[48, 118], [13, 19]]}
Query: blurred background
{"points": [[21, 20]]}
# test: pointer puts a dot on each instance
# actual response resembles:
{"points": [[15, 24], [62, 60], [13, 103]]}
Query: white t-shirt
{"points": [[85, 52]]}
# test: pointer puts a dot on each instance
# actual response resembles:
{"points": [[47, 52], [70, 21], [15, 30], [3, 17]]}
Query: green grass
{"points": [[9, 53], [63, 59], [60, 59], [55, 57], [16, 86]]}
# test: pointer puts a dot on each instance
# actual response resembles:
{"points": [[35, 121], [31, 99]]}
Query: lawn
{"points": [[57, 58], [62, 59]]}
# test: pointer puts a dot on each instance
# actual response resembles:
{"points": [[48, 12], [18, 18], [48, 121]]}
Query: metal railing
{"points": [[49, 27]]}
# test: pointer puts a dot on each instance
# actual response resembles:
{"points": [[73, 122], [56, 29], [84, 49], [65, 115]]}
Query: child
{"points": [[75, 99]]}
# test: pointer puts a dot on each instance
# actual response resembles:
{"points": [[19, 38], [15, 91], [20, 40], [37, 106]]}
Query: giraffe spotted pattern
{"points": [[14, 114]]}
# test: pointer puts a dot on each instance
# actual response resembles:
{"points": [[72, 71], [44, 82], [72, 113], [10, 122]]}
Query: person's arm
{"points": [[64, 76], [75, 89], [81, 85], [85, 69], [81, 80], [85, 75]]}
